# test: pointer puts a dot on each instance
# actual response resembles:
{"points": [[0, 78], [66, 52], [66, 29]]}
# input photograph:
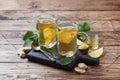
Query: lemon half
{"points": [[96, 53]]}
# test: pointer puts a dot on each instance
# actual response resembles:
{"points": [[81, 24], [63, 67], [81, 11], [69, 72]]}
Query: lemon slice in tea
{"points": [[96, 53], [66, 36], [49, 35]]}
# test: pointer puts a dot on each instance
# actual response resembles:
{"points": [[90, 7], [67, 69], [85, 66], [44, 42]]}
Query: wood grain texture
{"points": [[89, 5], [18, 16], [23, 25], [63, 15]]}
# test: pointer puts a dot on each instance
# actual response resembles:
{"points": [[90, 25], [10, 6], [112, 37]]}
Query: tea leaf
{"points": [[27, 35], [65, 61]]}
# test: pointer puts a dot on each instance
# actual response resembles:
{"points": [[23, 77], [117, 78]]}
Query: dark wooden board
{"points": [[80, 56]]}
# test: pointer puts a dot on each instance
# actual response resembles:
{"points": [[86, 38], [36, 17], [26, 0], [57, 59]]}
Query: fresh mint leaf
{"points": [[86, 27], [53, 52], [82, 37], [44, 48], [50, 50], [30, 38], [80, 28], [37, 27], [28, 43], [27, 35], [65, 61], [34, 38]]}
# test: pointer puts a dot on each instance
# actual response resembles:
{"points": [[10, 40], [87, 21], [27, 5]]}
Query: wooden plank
{"points": [[110, 55], [30, 25], [32, 70], [13, 37], [60, 5], [63, 15]]}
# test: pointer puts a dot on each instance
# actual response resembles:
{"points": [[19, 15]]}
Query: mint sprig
{"points": [[50, 50], [65, 61], [85, 27], [30, 38]]}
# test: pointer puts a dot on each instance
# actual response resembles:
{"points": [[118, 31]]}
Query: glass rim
{"points": [[64, 24], [54, 17]]}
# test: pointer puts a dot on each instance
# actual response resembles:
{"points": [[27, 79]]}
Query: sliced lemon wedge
{"points": [[79, 42], [67, 53], [66, 36], [84, 46], [49, 35], [96, 53]]}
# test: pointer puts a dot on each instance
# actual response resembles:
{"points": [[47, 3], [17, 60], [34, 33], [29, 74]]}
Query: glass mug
{"points": [[47, 26], [60, 38], [93, 41], [67, 39]]}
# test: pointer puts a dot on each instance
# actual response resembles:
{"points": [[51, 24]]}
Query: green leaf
{"points": [[28, 43], [50, 50], [37, 27], [27, 35], [34, 36], [53, 52], [44, 48], [80, 28], [65, 61], [86, 27], [82, 37], [35, 39]]}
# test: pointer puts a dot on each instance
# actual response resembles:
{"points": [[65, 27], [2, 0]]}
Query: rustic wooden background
{"points": [[18, 16]]}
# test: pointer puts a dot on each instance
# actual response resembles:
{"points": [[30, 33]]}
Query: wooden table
{"points": [[18, 16]]}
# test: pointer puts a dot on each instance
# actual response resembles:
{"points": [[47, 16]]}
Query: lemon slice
{"points": [[49, 35], [79, 42], [66, 36], [96, 53], [83, 46], [67, 53]]}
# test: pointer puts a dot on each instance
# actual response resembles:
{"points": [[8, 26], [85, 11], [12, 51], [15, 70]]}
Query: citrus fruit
{"points": [[67, 53], [66, 36], [49, 35], [84, 46], [79, 42], [96, 53]]}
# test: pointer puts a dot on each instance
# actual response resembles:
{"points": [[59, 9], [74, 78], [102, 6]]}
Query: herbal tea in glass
{"points": [[67, 37], [47, 26], [93, 41]]}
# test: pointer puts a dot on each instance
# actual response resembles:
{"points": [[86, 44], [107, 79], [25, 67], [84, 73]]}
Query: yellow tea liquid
{"points": [[67, 41], [47, 31]]}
